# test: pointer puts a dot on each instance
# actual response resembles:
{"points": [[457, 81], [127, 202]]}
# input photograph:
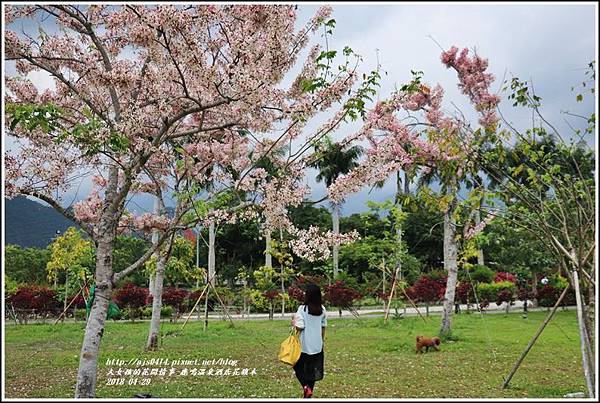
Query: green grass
{"points": [[363, 358]]}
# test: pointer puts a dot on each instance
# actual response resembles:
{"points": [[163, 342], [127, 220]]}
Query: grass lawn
{"points": [[363, 358]]}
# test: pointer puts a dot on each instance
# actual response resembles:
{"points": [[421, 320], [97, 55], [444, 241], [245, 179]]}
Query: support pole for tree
{"points": [[222, 303], [584, 341], [387, 309], [413, 305], [192, 311], [533, 339], [67, 307]]}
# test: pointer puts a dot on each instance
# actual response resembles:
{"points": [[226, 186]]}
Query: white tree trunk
{"points": [[88, 359], [152, 343], [268, 256], [450, 264], [66, 294], [335, 218], [211, 253], [588, 369], [480, 259], [155, 236]]}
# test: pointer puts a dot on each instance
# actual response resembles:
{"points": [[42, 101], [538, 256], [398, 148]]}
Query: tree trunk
{"points": [[155, 236], [268, 256], [450, 264], [211, 253], [480, 259], [590, 312], [152, 343], [335, 218], [534, 281], [66, 294], [282, 293], [588, 365], [88, 359]]}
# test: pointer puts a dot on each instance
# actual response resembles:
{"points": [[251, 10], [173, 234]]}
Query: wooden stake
{"points": [[67, 307], [192, 311], [387, 310], [222, 304], [533, 339], [414, 305]]}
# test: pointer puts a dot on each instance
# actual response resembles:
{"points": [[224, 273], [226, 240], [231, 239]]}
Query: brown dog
{"points": [[425, 342]]}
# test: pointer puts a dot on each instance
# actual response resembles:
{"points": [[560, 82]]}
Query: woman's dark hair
{"points": [[313, 300]]}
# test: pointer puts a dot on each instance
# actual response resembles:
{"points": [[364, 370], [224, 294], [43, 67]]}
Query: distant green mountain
{"points": [[31, 224]]}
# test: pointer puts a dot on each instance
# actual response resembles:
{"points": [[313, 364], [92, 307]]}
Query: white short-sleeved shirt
{"points": [[311, 338]]}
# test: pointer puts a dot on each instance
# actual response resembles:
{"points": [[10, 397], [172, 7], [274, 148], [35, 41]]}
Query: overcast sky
{"points": [[548, 43]]}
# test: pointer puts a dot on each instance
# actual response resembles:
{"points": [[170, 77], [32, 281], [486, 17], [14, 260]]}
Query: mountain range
{"points": [[28, 223]]}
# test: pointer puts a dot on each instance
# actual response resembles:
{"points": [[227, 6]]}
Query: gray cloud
{"points": [[548, 43]]}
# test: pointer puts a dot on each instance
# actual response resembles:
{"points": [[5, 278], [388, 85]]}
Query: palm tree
{"points": [[332, 161]]}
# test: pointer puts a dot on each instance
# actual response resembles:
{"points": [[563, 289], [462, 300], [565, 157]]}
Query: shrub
{"points": [[131, 296], [305, 279], [505, 292], [40, 299], [193, 297], [166, 311], [80, 314], [147, 312], [226, 294], [464, 292], [486, 293], [175, 297], [132, 313], [524, 293], [132, 299], [482, 274], [427, 289], [296, 294], [504, 276], [258, 301], [79, 301], [547, 295], [271, 295], [339, 294]]}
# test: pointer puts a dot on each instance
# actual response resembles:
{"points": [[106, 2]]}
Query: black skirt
{"points": [[310, 367]]}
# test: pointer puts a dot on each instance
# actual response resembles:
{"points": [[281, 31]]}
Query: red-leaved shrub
{"points": [[428, 290], [131, 296], [504, 276], [175, 297], [40, 299], [296, 293], [341, 295]]}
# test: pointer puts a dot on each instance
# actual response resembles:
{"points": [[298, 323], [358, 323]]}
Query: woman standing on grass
{"points": [[310, 320]]}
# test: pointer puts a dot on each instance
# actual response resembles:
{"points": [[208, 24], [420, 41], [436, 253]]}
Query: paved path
{"points": [[366, 312]]}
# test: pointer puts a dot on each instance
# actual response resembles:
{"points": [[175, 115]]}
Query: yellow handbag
{"points": [[290, 349]]}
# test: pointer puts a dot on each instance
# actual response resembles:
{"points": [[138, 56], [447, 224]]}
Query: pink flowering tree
{"points": [[165, 100], [437, 144]]}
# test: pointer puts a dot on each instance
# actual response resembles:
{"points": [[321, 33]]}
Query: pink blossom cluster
{"points": [[230, 216], [474, 82], [322, 14], [89, 209], [253, 180], [311, 244], [278, 195], [473, 231]]}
